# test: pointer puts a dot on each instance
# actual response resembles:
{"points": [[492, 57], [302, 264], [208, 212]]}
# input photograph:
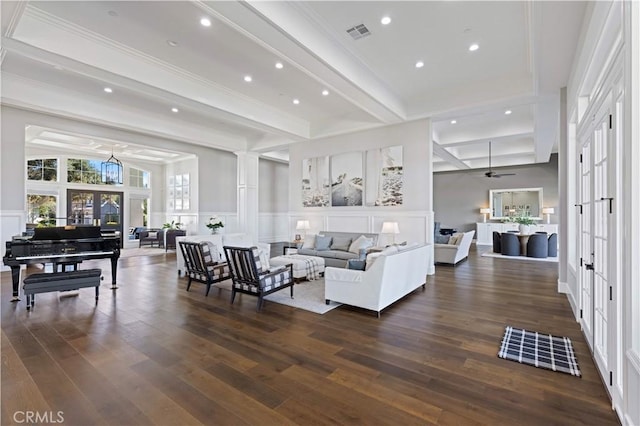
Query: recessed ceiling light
{"points": [[325, 92], [507, 112], [279, 65], [172, 43], [248, 78], [385, 20], [419, 64], [453, 121], [205, 22], [108, 89], [58, 67], [474, 47], [296, 101], [174, 109]]}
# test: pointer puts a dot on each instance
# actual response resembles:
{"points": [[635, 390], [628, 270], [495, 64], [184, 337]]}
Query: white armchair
{"points": [[392, 276], [454, 253]]}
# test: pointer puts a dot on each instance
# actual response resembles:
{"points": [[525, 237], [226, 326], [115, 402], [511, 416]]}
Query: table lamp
{"points": [[485, 211], [303, 226], [390, 228], [548, 211]]}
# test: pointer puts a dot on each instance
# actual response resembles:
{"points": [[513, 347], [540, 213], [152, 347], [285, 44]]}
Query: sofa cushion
{"points": [[339, 254], [307, 251], [309, 242], [360, 243], [454, 239], [323, 243], [341, 243]]}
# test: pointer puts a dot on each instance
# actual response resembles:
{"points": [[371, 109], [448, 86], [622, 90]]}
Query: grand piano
{"points": [[61, 245]]}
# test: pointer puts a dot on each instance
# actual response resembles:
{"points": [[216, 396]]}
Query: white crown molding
{"points": [[37, 96]]}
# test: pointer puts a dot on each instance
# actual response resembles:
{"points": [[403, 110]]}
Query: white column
{"points": [[248, 193]]}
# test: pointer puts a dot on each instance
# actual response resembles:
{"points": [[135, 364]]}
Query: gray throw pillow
{"points": [[323, 243], [356, 264], [341, 243], [442, 239]]}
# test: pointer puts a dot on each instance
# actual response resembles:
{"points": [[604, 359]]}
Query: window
{"points": [[83, 171], [43, 169], [41, 209], [138, 178], [178, 193]]}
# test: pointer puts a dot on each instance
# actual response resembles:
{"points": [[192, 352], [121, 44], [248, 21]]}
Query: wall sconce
{"points": [[485, 211], [390, 228], [548, 211], [303, 226]]}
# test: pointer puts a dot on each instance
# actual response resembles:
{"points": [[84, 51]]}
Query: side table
{"points": [[290, 247]]}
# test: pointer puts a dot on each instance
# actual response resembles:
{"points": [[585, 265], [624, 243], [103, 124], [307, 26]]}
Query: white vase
{"points": [[524, 229]]}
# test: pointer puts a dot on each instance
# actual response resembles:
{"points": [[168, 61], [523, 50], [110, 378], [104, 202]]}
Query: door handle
{"points": [[589, 266]]}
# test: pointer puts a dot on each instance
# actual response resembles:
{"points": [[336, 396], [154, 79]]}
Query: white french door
{"points": [[598, 254], [586, 240]]}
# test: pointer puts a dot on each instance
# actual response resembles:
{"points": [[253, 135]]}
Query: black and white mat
{"points": [[540, 350]]}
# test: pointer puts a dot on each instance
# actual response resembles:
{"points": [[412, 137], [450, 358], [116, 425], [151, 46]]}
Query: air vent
{"points": [[359, 31]]}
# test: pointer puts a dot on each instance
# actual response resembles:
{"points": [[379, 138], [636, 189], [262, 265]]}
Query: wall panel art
{"points": [[384, 176], [347, 182], [315, 182]]}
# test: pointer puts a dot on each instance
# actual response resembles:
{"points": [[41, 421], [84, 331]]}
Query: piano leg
{"points": [[114, 272], [15, 278]]}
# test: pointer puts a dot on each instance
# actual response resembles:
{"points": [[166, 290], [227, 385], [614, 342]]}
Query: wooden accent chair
{"points": [[251, 277], [150, 237], [202, 264]]}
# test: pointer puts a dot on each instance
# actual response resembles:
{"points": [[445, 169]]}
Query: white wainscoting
{"points": [[274, 227], [12, 222], [414, 226], [633, 388]]}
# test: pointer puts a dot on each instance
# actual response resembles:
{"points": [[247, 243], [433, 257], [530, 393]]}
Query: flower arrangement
{"points": [[214, 223]]}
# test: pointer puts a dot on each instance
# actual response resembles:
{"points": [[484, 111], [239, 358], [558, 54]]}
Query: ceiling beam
{"points": [[448, 157]]}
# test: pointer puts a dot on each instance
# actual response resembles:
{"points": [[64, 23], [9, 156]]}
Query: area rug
{"points": [[540, 350], [143, 251], [535, 259], [307, 295]]}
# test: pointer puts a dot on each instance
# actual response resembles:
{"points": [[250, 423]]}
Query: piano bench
{"points": [[60, 281]]}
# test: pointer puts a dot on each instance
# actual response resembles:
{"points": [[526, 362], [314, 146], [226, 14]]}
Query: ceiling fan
{"points": [[491, 173]]}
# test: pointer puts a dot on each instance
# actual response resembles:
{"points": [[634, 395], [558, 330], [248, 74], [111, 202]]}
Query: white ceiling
{"points": [[58, 56]]}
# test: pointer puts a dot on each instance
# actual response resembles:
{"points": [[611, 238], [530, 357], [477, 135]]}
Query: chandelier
{"points": [[111, 171]]}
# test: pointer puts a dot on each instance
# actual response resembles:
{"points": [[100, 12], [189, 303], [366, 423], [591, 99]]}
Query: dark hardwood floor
{"points": [[152, 353]]}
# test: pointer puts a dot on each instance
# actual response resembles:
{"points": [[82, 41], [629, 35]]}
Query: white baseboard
{"points": [[564, 288]]}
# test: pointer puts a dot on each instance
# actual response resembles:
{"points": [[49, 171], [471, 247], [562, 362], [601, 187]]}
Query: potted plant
{"points": [[525, 222], [214, 224], [172, 225]]}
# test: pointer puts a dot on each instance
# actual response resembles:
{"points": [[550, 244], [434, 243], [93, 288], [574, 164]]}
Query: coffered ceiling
{"points": [[58, 57]]}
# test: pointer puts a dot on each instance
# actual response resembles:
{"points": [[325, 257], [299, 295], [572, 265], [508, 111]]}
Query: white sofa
{"points": [[454, 253], [219, 240], [391, 276]]}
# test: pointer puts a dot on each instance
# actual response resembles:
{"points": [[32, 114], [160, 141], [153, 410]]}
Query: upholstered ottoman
{"points": [[304, 267]]}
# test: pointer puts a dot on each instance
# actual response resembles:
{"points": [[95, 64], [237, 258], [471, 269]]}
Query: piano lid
{"points": [[66, 233]]}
